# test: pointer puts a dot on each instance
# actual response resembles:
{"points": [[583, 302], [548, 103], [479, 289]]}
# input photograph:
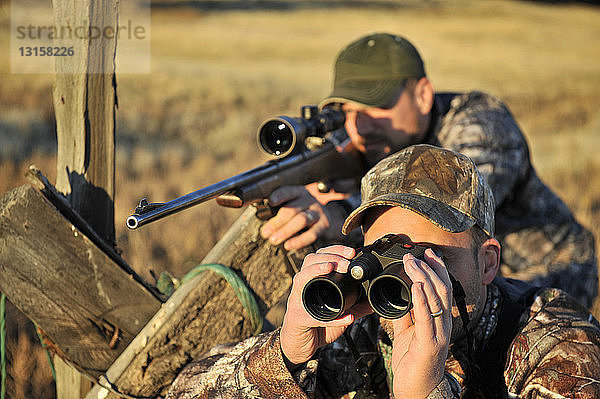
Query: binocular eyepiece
{"points": [[376, 272], [281, 135]]}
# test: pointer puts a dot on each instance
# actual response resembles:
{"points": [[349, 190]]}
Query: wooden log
{"points": [[39, 181], [87, 305], [203, 312]]}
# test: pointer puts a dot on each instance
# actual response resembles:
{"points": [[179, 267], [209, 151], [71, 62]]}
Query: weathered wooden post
{"points": [[84, 100], [58, 264], [57, 259]]}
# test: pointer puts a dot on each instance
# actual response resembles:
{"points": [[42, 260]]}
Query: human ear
{"points": [[490, 259], [424, 95]]}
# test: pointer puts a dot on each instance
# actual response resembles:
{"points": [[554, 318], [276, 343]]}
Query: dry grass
{"points": [[217, 74]]}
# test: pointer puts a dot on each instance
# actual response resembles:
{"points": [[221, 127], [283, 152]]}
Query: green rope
{"points": [[2, 346], [240, 289]]}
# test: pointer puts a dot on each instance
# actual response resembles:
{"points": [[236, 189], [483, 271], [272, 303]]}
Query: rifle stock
{"points": [[326, 156]]}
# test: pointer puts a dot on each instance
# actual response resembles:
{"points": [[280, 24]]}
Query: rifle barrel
{"points": [[269, 168]]}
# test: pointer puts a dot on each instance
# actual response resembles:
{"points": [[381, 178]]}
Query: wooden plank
{"points": [[83, 301], [203, 312], [39, 181], [69, 384]]}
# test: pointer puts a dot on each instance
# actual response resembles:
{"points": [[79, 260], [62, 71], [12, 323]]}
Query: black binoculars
{"points": [[377, 272]]}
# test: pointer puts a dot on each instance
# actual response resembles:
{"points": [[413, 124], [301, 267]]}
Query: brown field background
{"points": [[219, 68]]}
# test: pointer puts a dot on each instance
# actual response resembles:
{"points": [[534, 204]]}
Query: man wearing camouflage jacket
{"points": [[525, 342], [381, 83]]}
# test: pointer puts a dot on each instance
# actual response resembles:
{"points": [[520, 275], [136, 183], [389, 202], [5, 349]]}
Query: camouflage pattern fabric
{"points": [[542, 243], [555, 354]]}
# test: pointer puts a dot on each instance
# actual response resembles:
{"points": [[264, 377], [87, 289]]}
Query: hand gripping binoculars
{"points": [[376, 272]]}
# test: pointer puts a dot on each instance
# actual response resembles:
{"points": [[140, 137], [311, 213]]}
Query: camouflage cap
{"points": [[370, 70], [441, 185]]}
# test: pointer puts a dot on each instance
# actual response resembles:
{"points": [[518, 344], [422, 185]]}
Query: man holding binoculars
{"points": [[390, 103], [463, 331]]}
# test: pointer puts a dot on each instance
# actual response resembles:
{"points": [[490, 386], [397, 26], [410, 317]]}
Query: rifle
{"points": [[312, 148]]}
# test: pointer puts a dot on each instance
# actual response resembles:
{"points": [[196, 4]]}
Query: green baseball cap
{"points": [[370, 70], [441, 185]]}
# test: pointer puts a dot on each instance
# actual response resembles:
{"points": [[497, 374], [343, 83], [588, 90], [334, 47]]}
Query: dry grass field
{"points": [[220, 68]]}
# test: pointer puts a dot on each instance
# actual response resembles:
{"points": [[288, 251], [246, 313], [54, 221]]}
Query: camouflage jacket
{"points": [[542, 243], [553, 352]]}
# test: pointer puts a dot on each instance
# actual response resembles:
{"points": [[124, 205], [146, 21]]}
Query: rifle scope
{"points": [[281, 135], [377, 272]]}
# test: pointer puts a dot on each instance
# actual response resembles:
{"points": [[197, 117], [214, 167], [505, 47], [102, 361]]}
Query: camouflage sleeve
{"points": [[253, 368], [447, 389], [570, 265], [481, 127], [558, 352], [543, 244]]}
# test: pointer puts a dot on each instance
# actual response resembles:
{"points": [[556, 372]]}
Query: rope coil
{"points": [[239, 288]]}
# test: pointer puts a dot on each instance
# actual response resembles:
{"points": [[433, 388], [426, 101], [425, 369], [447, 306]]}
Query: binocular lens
{"points": [[276, 137], [389, 296], [323, 300]]}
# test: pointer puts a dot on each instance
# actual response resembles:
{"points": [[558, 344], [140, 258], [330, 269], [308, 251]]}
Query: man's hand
{"points": [[421, 340], [301, 335], [301, 212]]}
